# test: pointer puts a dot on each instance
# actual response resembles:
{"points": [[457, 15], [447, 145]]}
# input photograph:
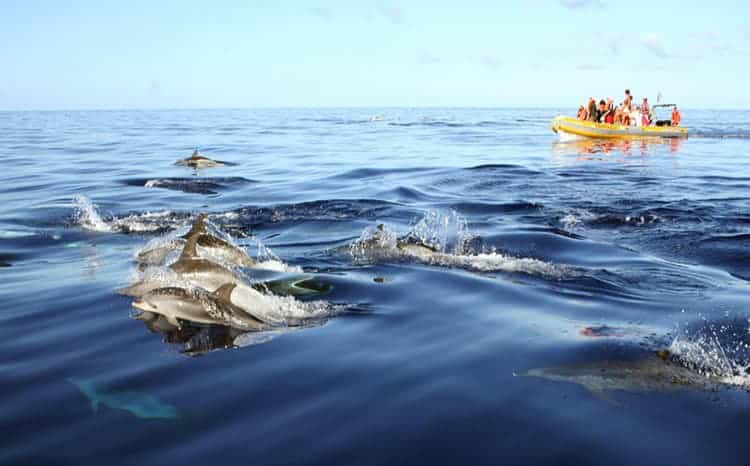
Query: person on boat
{"points": [[592, 114], [581, 113], [618, 115], [676, 117], [607, 111], [609, 117], [645, 113], [628, 100], [601, 111]]}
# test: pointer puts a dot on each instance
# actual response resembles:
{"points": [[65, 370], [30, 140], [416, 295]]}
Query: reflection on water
{"points": [[595, 149]]}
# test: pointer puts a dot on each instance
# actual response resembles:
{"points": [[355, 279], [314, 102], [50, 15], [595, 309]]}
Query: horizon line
{"points": [[321, 107]]}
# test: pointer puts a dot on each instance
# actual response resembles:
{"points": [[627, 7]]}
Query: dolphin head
{"points": [[175, 303]]}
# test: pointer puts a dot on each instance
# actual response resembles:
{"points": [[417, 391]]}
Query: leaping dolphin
{"points": [[199, 161]]}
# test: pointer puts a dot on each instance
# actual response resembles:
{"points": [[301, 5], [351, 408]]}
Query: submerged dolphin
{"points": [[139, 404], [654, 372], [199, 161], [200, 307], [207, 246]]}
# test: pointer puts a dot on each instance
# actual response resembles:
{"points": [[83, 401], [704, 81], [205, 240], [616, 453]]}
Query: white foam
{"points": [[277, 266], [576, 217], [496, 262]]}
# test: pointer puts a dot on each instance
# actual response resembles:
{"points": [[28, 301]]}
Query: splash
{"points": [[443, 231], [449, 243], [86, 215], [719, 350], [268, 260]]}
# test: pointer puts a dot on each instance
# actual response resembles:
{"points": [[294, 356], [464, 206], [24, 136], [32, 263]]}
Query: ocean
{"points": [[573, 302]]}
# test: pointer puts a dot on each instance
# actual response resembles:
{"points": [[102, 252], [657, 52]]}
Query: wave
{"points": [[237, 222]]}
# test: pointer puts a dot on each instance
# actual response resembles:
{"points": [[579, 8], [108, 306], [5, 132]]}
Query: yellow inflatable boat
{"points": [[589, 129]]}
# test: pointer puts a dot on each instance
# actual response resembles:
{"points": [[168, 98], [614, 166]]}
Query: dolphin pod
{"points": [[203, 287]]}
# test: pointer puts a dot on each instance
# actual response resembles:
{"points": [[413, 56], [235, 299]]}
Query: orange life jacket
{"points": [[675, 118]]}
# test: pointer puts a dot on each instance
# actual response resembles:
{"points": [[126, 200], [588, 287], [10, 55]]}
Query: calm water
{"points": [[551, 253]]}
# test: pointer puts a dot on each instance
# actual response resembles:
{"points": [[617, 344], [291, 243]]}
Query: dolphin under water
{"points": [[199, 306], [199, 161], [139, 404], [654, 372], [208, 246]]}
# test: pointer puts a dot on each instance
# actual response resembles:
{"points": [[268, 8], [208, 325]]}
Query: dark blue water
{"points": [[550, 253]]}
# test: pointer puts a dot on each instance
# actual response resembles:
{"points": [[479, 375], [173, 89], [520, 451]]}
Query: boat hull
{"points": [[589, 129]]}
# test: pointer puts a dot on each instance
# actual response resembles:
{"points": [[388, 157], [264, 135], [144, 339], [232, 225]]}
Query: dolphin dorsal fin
{"points": [[199, 226], [224, 292], [189, 251]]}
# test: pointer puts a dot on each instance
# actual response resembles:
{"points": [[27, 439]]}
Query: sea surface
{"points": [[547, 254]]}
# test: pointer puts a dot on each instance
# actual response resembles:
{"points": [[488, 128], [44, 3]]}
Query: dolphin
{"points": [[199, 306], [656, 372], [190, 268], [207, 246], [139, 404], [406, 246], [199, 161]]}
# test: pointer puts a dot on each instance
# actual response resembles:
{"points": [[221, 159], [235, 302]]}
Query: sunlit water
{"points": [[545, 253]]}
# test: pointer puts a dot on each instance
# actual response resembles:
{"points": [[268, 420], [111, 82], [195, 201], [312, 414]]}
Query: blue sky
{"points": [[188, 54]]}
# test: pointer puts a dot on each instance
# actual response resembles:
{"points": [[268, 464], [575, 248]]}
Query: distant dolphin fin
{"points": [[95, 405], [224, 292]]}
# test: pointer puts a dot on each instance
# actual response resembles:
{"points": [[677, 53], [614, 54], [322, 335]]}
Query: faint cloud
{"points": [[154, 88], [491, 61], [589, 67], [710, 43], [614, 44], [704, 35], [392, 13], [322, 13], [580, 4], [426, 58], [653, 44]]}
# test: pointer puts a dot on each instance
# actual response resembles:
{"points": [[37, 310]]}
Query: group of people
{"points": [[625, 113]]}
